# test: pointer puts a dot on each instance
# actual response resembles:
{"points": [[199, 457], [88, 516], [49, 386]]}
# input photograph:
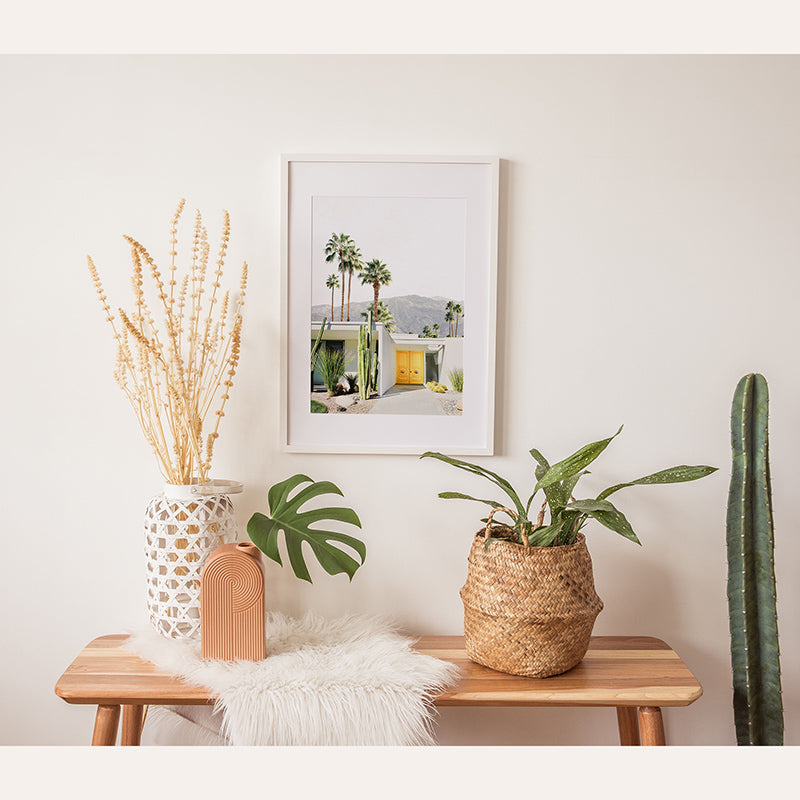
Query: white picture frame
{"points": [[451, 185]]}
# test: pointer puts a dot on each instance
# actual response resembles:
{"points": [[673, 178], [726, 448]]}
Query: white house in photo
{"points": [[403, 359]]}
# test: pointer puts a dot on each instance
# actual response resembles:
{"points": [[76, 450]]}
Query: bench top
{"points": [[616, 671]]}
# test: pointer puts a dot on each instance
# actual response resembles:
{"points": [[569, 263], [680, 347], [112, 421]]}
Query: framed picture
{"points": [[389, 304]]}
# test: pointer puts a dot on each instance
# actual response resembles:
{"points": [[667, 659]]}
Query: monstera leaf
{"points": [[285, 515]]}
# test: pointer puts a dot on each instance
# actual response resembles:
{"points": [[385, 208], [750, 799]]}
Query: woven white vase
{"points": [[182, 526]]}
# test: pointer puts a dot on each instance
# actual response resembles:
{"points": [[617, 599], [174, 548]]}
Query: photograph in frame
{"points": [[389, 295]]}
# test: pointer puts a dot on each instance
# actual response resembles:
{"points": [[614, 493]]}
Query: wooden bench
{"points": [[636, 675]]}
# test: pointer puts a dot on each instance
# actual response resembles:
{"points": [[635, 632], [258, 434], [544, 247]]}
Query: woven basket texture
{"points": [[529, 610], [179, 535]]}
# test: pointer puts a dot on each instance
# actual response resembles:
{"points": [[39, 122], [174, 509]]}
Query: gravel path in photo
{"points": [[359, 406], [452, 403]]}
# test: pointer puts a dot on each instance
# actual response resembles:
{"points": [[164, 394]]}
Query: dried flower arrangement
{"points": [[173, 383]]}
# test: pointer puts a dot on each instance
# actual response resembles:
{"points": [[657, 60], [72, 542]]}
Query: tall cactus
{"points": [[363, 372], [317, 343], [755, 656], [373, 379], [367, 359]]}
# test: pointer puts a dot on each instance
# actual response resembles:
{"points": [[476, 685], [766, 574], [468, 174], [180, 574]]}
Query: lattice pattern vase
{"points": [[181, 528]]}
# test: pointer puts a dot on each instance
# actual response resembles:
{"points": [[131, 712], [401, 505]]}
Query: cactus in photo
{"points": [[367, 359], [317, 343], [755, 657], [373, 351], [363, 380]]}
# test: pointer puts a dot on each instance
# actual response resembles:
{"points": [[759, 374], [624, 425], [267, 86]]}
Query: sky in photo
{"points": [[420, 239]]}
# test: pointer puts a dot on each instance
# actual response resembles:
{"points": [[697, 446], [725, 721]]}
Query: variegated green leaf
{"points": [[606, 514], [568, 484], [554, 493], [542, 462], [484, 473], [460, 496], [678, 474], [574, 463], [546, 535]]}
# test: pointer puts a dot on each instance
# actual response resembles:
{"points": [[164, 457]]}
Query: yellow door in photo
{"points": [[410, 367], [403, 361], [416, 367]]}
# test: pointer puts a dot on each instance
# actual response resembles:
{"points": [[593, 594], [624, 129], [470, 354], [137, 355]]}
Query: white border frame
{"points": [[473, 437]]}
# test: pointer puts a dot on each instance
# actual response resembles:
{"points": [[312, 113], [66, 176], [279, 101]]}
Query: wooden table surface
{"points": [[618, 671]]}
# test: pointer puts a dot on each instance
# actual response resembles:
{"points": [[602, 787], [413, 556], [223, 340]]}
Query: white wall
{"points": [[453, 358], [649, 251], [387, 354]]}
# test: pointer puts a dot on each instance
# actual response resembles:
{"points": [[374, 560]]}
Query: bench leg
{"points": [[105, 726], [651, 726], [628, 725], [131, 725]]}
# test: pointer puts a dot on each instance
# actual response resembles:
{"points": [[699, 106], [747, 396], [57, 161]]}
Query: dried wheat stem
{"points": [[228, 362], [199, 345], [171, 389], [173, 251], [233, 362], [216, 283]]}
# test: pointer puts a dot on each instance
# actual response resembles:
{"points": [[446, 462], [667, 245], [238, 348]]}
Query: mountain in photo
{"points": [[412, 312]]}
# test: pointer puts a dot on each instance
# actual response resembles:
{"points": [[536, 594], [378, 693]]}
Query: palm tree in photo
{"points": [[458, 310], [354, 264], [426, 332], [376, 274], [449, 316], [435, 330], [384, 315], [339, 247], [332, 283], [448, 309]]}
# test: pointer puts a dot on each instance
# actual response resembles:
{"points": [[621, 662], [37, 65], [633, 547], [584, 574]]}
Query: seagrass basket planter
{"points": [[528, 610]]}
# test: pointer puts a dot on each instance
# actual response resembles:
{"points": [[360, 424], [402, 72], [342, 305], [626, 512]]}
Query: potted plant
{"points": [[529, 599], [175, 363]]}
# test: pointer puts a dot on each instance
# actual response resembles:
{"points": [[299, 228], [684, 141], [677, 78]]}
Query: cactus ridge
{"points": [[367, 358], [755, 654], [317, 343]]}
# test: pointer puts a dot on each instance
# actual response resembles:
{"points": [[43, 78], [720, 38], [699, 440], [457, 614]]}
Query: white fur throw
{"points": [[350, 681]]}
